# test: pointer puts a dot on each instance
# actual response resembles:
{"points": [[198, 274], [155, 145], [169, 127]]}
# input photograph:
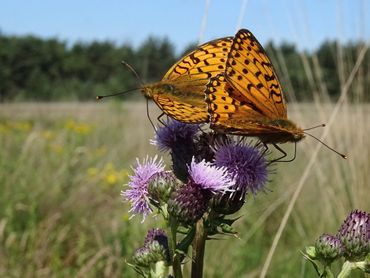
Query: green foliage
{"points": [[37, 69], [32, 68]]}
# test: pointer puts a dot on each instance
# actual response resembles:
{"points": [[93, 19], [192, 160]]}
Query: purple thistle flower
{"points": [[245, 164], [156, 234], [137, 194], [355, 235], [173, 133], [178, 138], [208, 176]]}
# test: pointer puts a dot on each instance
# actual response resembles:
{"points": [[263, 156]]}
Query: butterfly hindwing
{"points": [[228, 113], [189, 78], [250, 72], [181, 111]]}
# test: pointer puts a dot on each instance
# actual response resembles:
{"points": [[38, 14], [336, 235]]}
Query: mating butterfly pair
{"points": [[231, 84]]}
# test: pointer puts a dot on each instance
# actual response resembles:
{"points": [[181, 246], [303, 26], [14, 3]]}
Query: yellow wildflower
{"points": [[92, 171]]}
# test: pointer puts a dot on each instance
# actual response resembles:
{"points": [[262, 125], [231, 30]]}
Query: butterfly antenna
{"points": [[330, 148], [117, 94], [133, 71], [322, 125]]}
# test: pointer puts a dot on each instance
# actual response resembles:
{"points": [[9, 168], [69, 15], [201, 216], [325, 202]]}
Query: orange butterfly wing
{"points": [[250, 72], [247, 99], [182, 111], [229, 114], [206, 61], [189, 78]]}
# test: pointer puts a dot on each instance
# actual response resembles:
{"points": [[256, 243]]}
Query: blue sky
{"points": [[306, 23]]}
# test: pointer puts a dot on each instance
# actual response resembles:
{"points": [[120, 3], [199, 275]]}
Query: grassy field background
{"points": [[63, 165]]}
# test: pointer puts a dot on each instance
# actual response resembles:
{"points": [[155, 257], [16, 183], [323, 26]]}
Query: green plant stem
{"points": [[327, 272], [160, 270], [176, 260], [346, 269], [199, 245]]}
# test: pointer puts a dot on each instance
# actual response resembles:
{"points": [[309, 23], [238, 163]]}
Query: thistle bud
{"points": [[188, 203], [142, 257], [328, 248], [161, 185], [155, 249], [355, 235]]}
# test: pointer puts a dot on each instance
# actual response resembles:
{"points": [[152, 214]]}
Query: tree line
{"points": [[32, 68]]}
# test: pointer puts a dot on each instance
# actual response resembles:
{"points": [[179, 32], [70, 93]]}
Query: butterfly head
{"points": [[157, 89], [297, 135]]}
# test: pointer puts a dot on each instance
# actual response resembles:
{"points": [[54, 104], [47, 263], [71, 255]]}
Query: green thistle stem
{"points": [[199, 245], [346, 269], [176, 261], [327, 272], [160, 270]]}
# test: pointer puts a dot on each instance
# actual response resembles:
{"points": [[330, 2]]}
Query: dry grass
{"points": [[63, 166]]}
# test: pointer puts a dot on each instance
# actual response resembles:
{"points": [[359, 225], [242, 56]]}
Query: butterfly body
{"points": [[267, 131]]}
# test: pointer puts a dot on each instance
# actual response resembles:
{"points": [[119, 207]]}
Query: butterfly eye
{"points": [[168, 87]]}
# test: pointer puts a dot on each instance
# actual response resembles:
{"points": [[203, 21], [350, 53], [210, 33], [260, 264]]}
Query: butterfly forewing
{"points": [[250, 72], [230, 115], [204, 62]]}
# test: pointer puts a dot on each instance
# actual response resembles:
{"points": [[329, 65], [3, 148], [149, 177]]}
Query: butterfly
{"points": [[180, 93], [247, 98]]}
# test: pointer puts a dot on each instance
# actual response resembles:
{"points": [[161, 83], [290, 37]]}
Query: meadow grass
{"points": [[63, 166]]}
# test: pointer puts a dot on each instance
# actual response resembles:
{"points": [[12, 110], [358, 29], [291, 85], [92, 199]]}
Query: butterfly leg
{"points": [[265, 146], [241, 140], [147, 114], [279, 159], [201, 130], [261, 145], [159, 118]]}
